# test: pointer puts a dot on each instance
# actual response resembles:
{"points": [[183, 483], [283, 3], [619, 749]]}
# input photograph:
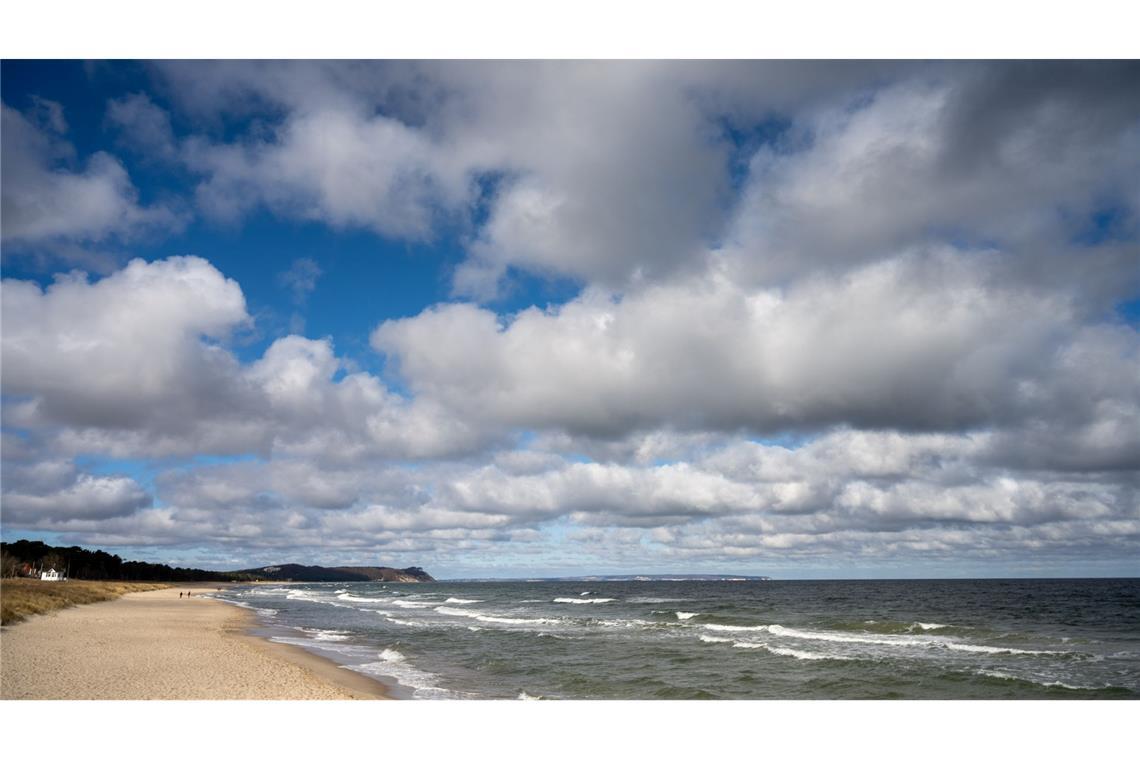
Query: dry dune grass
{"points": [[21, 598]]}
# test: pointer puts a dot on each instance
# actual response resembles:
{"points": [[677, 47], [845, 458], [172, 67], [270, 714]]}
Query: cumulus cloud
{"points": [[127, 351], [135, 364], [922, 341], [617, 173], [338, 167], [48, 198], [846, 493], [827, 311], [536, 161], [1015, 156]]}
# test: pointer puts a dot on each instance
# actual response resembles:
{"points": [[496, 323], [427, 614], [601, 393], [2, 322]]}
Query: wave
{"points": [[899, 641], [366, 599], [413, 605], [518, 621], [930, 626], [1003, 675], [391, 618], [526, 697], [980, 648], [495, 619], [570, 600], [392, 664], [310, 596], [320, 634], [456, 600], [798, 654], [686, 615], [457, 613], [719, 627], [651, 600], [714, 639]]}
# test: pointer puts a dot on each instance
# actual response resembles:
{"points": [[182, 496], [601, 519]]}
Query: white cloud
{"points": [[925, 340], [882, 268], [930, 159], [48, 200], [135, 364], [342, 167], [84, 498]]}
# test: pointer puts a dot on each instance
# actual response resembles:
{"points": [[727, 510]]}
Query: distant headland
{"points": [[317, 574]]}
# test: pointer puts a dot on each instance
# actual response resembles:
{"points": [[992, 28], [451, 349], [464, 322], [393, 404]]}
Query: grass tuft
{"points": [[20, 598]]}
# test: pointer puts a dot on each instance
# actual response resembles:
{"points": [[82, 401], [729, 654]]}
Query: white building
{"points": [[51, 575]]}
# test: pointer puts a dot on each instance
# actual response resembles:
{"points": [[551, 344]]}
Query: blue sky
{"points": [[799, 319]]}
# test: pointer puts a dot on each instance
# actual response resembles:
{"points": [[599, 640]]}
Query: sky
{"points": [[514, 319]]}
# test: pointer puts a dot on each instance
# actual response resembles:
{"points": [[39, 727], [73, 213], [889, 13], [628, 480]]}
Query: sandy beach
{"points": [[155, 645]]}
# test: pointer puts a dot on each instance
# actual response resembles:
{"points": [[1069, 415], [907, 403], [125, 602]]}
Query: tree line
{"points": [[25, 557]]}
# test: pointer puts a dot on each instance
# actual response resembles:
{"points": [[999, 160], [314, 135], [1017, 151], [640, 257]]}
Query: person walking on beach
{"points": [[179, 594]]}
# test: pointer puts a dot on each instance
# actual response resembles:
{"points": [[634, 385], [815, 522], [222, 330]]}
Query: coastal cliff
{"points": [[317, 574]]}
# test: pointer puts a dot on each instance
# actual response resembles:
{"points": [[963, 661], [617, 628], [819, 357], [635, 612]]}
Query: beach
{"points": [[156, 645]]}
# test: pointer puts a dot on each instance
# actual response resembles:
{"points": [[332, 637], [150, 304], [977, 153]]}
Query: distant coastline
{"points": [[618, 578]]}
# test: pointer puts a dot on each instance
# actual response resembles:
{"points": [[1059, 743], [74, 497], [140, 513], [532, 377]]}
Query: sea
{"points": [[728, 640]]}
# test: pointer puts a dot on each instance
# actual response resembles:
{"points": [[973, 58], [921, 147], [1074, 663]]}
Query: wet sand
{"points": [[154, 645]]}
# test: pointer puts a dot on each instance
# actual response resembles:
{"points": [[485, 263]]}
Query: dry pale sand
{"points": [[153, 645]]}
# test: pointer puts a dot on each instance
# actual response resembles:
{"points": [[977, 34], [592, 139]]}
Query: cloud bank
{"points": [[871, 315]]}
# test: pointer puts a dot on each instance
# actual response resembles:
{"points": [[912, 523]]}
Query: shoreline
{"points": [[156, 645]]}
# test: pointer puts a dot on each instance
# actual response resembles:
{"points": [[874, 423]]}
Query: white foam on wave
{"points": [[651, 600], [299, 594], [982, 649], [494, 619], [686, 615], [570, 600], [844, 638], [311, 596], [799, 654], [931, 626], [392, 664], [456, 600], [1005, 676], [456, 613], [518, 621], [714, 639], [526, 697], [413, 605], [901, 641], [366, 599], [320, 634], [719, 627], [391, 618]]}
